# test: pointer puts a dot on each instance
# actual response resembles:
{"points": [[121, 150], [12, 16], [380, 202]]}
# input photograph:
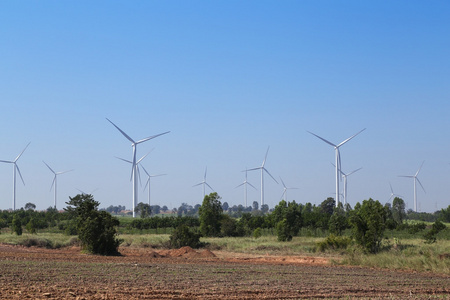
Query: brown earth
{"points": [[36, 273]]}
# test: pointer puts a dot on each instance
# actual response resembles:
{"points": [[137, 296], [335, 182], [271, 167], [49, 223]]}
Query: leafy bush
{"points": [[16, 225], [415, 228], [284, 231], [430, 236], [96, 229], [183, 236], [334, 242], [257, 233]]}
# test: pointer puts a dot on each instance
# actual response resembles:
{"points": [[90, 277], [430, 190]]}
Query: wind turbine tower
{"points": [[415, 180], [15, 169], [263, 169], [148, 182], [337, 158], [134, 168], [54, 183], [245, 183]]}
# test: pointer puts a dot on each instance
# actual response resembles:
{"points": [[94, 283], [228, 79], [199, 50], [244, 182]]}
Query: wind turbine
{"points": [[392, 193], [204, 183], [338, 158], [285, 188], [245, 183], [16, 168], [263, 169], [54, 179], [134, 168], [415, 190], [148, 182], [345, 182]]}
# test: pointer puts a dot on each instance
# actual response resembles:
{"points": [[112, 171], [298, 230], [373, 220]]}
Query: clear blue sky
{"points": [[228, 79]]}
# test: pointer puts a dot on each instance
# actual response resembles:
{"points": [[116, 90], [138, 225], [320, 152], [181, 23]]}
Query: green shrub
{"points": [[16, 225], [334, 242], [284, 231], [182, 236], [415, 228], [430, 236], [257, 233]]}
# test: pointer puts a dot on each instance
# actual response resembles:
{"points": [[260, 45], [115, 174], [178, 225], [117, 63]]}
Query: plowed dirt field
{"points": [[35, 273]]}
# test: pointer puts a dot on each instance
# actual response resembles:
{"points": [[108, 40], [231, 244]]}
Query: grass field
{"points": [[402, 254]]}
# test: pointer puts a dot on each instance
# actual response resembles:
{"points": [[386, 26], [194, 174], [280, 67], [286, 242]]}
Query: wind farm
{"points": [[210, 86]]}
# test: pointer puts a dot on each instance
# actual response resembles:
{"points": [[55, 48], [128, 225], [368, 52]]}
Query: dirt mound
{"points": [[154, 254], [183, 252], [207, 253]]}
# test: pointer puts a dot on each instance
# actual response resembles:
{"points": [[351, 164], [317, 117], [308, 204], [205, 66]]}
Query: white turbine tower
{"points": [[338, 158], [263, 169], [285, 188], [345, 183], [134, 168], [245, 183], [415, 190], [148, 182], [204, 183], [15, 169], [393, 195], [54, 180]]}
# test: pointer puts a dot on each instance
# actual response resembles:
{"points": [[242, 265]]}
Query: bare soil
{"points": [[36, 273]]}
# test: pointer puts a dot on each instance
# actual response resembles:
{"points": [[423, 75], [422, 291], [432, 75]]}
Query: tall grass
{"points": [[404, 255], [45, 240]]}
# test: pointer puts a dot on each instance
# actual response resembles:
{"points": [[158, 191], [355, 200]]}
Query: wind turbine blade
{"points": [[251, 185], [49, 168], [353, 171], [81, 191], [270, 175], [143, 157], [151, 137], [408, 176], [253, 169], [198, 184], [420, 168], [53, 182], [420, 184], [204, 177], [147, 183], [124, 134], [283, 182], [392, 191], [125, 160], [145, 172], [59, 173], [240, 185], [265, 157], [18, 170], [7, 161], [329, 143], [139, 175], [22, 152], [345, 141], [157, 175], [209, 186]]}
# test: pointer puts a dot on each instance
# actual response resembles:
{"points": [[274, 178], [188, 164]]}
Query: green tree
{"points": [[96, 229], [182, 236], [16, 225], [338, 221], [30, 206], [368, 224], [143, 209], [398, 210], [210, 215], [31, 225]]}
